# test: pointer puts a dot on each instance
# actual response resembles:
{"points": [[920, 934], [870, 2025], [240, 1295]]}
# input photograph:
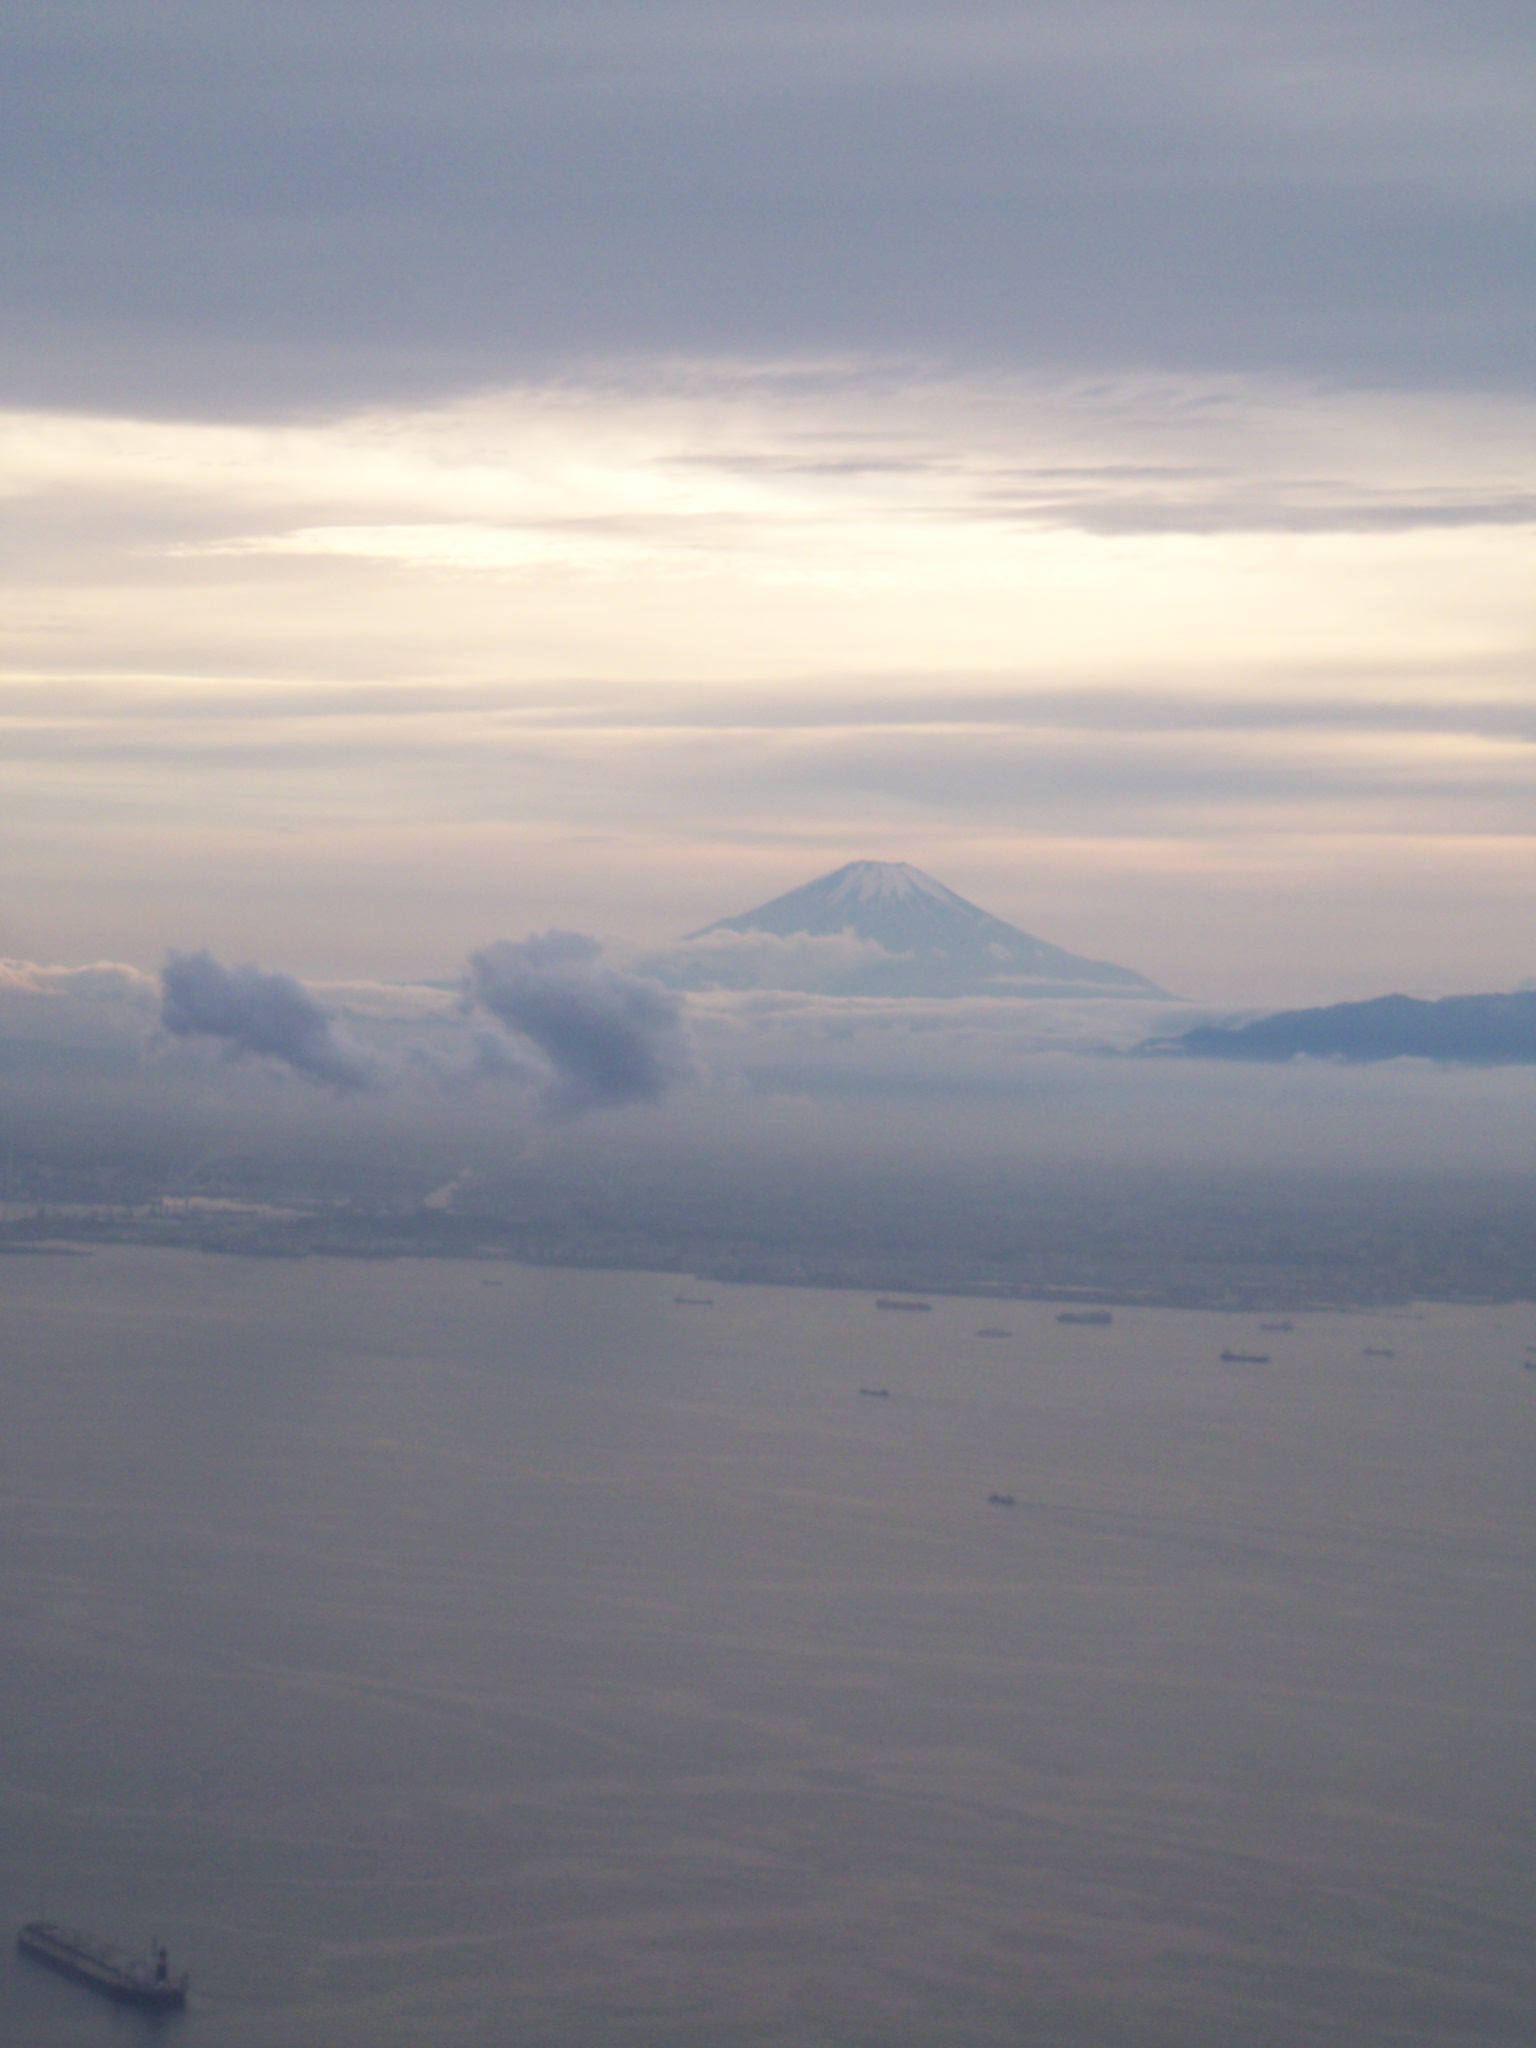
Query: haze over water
{"points": [[467, 1654]]}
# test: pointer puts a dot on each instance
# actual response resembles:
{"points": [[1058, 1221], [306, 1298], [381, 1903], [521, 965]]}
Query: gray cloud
{"points": [[269, 1016], [293, 200], [610, 1037]]}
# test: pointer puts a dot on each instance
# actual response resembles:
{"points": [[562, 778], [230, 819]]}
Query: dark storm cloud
{"points": [[269, 1016], [304, 201], [609, 1036]]}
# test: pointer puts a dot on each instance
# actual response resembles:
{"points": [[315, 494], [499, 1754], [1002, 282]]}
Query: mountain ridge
{"points": [[1492, 1030]]}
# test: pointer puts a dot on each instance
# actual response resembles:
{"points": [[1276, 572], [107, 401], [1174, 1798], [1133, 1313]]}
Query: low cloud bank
{"points": [[610, 1037], [551, 1030], [257, 1015], [724, 960], [1484, 1031]]}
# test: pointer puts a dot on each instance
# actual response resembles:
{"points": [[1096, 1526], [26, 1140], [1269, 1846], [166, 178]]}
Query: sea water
{"points": [[460, 1654]]}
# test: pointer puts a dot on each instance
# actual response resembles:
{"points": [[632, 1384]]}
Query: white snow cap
{"points": [[916, 936], [885, 881]]}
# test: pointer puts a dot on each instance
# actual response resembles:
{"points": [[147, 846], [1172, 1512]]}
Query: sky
{"points": [[474, 469]]}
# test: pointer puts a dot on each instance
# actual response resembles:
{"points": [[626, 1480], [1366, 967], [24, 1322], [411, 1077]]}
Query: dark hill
{"points": [[1484, 1031]]}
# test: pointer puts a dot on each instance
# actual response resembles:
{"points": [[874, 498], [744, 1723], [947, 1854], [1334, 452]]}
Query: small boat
{"points": [[1001, 1500], [876, 1393], [994, 1333], [1245, 1358], [1377, 1351], [128, 1980], [1286, 1325], [694, 1300], [890, 1301], [1097, 1317]]}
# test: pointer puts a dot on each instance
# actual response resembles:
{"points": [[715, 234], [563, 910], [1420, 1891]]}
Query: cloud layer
{"points": [[798, 1090], [293, 200], [1105, 655]]}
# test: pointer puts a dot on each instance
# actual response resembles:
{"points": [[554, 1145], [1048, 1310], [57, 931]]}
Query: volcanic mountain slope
{"points": [[883, 928]]}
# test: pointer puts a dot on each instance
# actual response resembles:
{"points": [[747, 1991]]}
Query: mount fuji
{"points": [[884, 928]]}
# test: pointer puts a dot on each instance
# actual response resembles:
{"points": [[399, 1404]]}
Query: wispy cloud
{"points": [[103, 981]]}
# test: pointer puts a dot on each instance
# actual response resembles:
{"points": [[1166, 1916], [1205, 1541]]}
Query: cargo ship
{"points": [[129, 1980]]}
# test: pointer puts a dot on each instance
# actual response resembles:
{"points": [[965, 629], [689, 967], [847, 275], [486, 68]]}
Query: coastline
{"points": [[1093, 1279]]}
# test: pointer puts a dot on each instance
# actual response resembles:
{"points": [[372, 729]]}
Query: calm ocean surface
{"points": [[450, 1664]]}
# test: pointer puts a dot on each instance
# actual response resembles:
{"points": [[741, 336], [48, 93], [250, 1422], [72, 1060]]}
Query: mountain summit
{"points": [[884, 928]]}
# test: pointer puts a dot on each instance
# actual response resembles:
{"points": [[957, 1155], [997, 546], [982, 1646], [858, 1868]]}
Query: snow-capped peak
{"points": [[917, 938], [883, 881]]}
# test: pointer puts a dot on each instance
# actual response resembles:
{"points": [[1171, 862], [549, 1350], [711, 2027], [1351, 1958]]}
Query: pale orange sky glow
{"points": [[1227, 678]]}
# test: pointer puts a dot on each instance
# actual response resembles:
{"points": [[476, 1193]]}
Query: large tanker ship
{"points": [[130, 1980]]}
